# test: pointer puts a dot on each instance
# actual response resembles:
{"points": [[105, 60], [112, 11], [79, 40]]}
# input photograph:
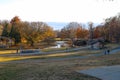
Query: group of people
{"points": [[107, 51]]}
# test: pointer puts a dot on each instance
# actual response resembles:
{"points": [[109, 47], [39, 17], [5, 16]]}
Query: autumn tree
{"points": [[97, 32], [15, 20], [14, 33], [64, 33], [69, 31], [57, 33], [110, 30], [74, 30], [34, 32], [30, 32], [48, 34], [113, 26], [81, 33]]}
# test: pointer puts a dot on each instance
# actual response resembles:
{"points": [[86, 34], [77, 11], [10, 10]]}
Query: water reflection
{"points": [[59, 44]]}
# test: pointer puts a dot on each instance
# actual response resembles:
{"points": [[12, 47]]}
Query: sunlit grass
{"points": [[47, 56], [55, 70], [13, 57], [7, 51]]}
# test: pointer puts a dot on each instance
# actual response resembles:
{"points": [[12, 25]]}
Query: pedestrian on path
{"points": [[17, 50], [108, 51], [105, 52]]}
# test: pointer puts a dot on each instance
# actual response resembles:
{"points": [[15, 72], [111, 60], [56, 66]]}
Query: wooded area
{"points": [[35, 32], [26, 32], [109, 30]]}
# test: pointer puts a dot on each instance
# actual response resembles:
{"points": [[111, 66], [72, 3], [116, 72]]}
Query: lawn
{"points": [[41, 67], [112, 45], [7, 51], [35, 69], [12, 57]]}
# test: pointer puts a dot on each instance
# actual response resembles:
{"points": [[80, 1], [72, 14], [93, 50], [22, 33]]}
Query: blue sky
{"points": [[57, 25], [81, 11], [4, 2]]}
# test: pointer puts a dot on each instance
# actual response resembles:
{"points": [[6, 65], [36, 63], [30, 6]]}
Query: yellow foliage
{"points": [[23, 40]]}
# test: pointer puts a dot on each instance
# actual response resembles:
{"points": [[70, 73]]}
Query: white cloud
{"points": [[60, 10]]}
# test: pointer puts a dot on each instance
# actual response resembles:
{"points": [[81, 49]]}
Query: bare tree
{"points": [[91, 30], [69, 31]]}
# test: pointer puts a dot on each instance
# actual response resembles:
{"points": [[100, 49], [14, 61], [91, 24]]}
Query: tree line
{"points": [[29, 32], [34, 32], [109, 30]]}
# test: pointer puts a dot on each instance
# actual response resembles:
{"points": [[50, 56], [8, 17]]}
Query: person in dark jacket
{"points": [[108, 51]]}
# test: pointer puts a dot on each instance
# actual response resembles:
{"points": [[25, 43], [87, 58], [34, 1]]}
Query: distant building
{"points": [[5, 42], [96, 43]]}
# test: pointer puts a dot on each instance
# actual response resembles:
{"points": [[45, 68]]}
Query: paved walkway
{"points": [[104, 73], [66, 58]]}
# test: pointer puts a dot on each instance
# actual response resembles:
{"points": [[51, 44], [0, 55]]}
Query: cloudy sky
{"points": [[59, 10]]}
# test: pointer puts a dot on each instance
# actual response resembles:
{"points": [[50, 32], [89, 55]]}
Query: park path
{"points": [[66, 58], [50, 52], [90, 55], [104, 73]]}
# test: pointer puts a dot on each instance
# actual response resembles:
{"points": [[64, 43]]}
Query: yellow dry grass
{"points": [[7, 51], [12, 57], [35, 69], [18, 57]]}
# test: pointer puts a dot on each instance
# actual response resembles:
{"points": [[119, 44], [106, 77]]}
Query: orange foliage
{"points": [[15, 20], [97, 33], [49, 32], [81, 33]]}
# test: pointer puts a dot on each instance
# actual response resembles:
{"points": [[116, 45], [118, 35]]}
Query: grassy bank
{"points": [[12, 57]]}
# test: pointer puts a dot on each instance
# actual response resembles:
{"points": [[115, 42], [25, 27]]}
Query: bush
{"points": [[80, 43]]}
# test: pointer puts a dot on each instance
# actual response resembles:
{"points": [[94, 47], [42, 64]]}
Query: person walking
{"points": [[105, 52], [17, 50], [108, 51]]}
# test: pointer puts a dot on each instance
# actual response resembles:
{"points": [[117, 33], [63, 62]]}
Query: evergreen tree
{"points": [[15, 34], [5, 30]]}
